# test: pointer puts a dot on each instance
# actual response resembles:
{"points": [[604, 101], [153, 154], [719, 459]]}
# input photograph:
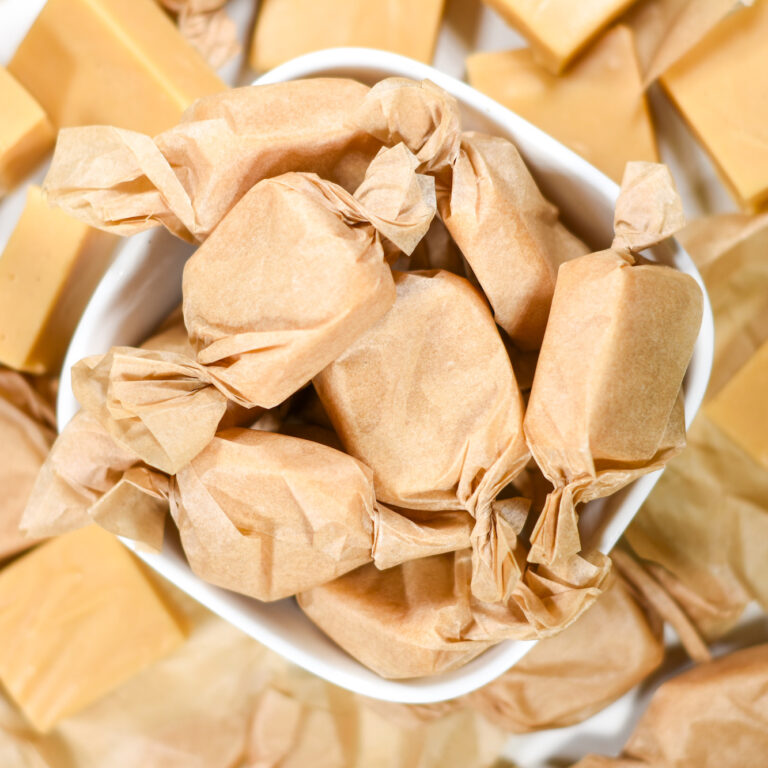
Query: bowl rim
{"points": [[233, 607]]}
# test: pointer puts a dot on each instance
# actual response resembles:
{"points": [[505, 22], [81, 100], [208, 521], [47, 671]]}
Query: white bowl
{"points": [[144, 284]]}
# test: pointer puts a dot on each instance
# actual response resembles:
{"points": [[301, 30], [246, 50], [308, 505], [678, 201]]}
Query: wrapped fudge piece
{"points": [[421, 618], [567, 678], [94, 471], [161, 405], [190, 176], [507, 231], [428, 399], [605, 404], [297, 271], [708, 716], [88, 474], [268, 515], [402, 622]]}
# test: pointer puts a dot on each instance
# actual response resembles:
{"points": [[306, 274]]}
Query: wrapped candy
{"points": [[420, 618], [605, 404], [268, 515], [206, 25], [508, 233], [93, 472], [710, 716], [428, 399], [296, 272], [567, 678], [189, 177]]}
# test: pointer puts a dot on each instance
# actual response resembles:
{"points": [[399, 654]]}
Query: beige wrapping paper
{"points": [[729, 251], [421, 618], [83, 464], [421, 115], [160, 405], [206, 25], [189, 177], [566, 679], [428, 399], [403, 622], [508, 233], [93, 471], [89, 477], [296, 272], [605, 404], [27, 425], [712, 716], [268, 515], [702, 531]]}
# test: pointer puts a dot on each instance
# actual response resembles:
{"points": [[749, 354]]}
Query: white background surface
{"points": [[470, 26]]}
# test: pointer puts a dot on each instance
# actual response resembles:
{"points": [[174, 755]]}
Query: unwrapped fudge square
{"points": [[721, 89], [26, 134], [78, 616], [559, 29]]}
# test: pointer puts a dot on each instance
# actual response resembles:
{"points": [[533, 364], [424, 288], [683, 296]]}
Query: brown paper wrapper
{"points": [[268, 515], [508, 233], [207, 27], [622, 331], [713, 715], [27, 425], [162, 406], [421, 115], [436, 417], [83, 464], [94, 472], [701, 530], [404, 622], [729, 251], [268, 315], [421, 617], [566, 679], [189, 177]]}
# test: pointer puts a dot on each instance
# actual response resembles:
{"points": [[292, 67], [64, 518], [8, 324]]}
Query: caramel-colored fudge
{"points": [[48, 271], [597, 108], [721, 89], [111, 62], [559, 29], [289, 28], [78, 616]]}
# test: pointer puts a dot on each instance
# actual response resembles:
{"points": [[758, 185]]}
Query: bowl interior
{"points": [[144, 284]]}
